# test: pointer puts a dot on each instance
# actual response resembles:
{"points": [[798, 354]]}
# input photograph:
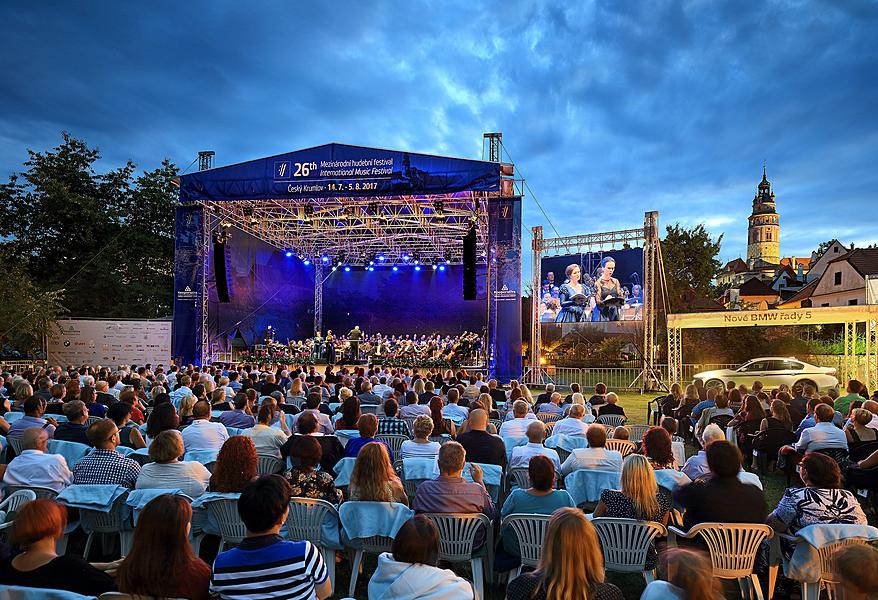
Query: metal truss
{"points": [[871, 353], [426, 228], [203, 299], [590, 242]]}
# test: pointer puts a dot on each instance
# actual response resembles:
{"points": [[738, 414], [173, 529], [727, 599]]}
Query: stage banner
{"points": [[504, 288], [110, 343], [188, 278], [338, 170]]}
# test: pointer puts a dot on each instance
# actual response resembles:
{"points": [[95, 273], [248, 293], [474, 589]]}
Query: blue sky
{"points": [[608, 108]]}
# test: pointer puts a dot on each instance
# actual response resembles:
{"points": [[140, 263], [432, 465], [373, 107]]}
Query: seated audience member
{"points": [[857, 430], [696, 465], [102, 396], [722, 497], [129, 434], [235, 466], [821, 501], [421, 446], [517, 425], [521, 455], [413, 407], [162, 418], [168, 471], [390, 424], [621, 433], [571, 565], [478, 405], [575, 423], [541, 498], [187, 406], [778, 417], [656, 446], [37, 528], [553, 406], [809, 420], [267, 439], [720, 409], [368, 428], [241, 416], [105, 466], [34, 409], [686, 575], [312, 406], [161, 563], [450, 492], [857, 569], [264, 561], [94, 408], [611, 407], [544, 397], [129, 397], [596, 456], [202, 434], [33, 467], [331, 449], [481, 446], [304, 478], [410, 570], [822, 436], [74, 429], [366, 395], [843, 403], [350, 412], [600, 395], [442, 425], [373, 478]]}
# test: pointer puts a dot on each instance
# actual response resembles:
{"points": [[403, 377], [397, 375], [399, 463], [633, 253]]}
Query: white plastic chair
{"points": [[733, 548], [225, 512], [635, 432], [518, 477], [626, 543], [269, 465], [611, 420], [549, 417], [623, 447], [457, 537], [15, 442], [47, 494], [115, 522], [369, 409], [531, 533], [394, 442], [375, 544], [305, 522], [12, 504]]}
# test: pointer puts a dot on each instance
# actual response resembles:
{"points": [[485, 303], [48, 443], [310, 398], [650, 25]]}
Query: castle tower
{"points": [[763, 233]]}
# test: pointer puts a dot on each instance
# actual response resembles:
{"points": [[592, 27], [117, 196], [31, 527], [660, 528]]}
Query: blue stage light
{"points": [[347, 269], [382, 258], [371, 269], [405, 257], [441, 267], [324, 259], [434, 267], [334, 268], [395, 268], [289, 253], [417, 267], [307, 262]]}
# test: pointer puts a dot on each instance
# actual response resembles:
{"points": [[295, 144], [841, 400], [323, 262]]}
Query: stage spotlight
{"points": [[289, 253], [347, 269], [395, 268], [334, 268], [370, 269], [493, 250], [434, 267], [306, 262], [417, 267], [441, 267], [406, 256], [324, 259], [339, 263], [371, 262]]}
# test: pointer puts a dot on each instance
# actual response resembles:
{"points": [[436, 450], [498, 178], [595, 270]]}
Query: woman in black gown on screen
{"points": [[571, 310], [607, 288]]}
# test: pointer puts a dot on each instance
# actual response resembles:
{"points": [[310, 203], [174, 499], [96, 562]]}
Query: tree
{"points": [[690, 261]]}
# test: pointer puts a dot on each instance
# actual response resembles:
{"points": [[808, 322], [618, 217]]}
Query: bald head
{"points": [[871, 406], [536, 432], [478, 420], [34, 438], [519, 409], [577, 411]]}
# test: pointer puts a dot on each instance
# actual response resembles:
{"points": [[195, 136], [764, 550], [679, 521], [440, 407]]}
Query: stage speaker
{"points": [[219, 271], [469, 264]]}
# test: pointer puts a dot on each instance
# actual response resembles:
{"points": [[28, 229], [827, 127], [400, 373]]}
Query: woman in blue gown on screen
{"points": [[572, 295], [608, 291]]}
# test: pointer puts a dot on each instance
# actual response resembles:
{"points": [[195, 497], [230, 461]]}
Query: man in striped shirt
{"points": [[265, 565]]}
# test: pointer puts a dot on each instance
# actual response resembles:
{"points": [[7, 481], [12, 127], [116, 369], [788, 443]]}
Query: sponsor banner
{"points": [[795, 316], [188, 267], [110, 343], [504, 323]]}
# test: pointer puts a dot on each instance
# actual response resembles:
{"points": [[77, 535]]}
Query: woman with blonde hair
{"points": [[373, 478], [571, 566], [187, 403], [296, 390], [418, 387], [687, 575]]}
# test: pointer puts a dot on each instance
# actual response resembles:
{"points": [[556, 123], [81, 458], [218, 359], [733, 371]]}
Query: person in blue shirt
{"points": [[367, 425], [699, 408]]}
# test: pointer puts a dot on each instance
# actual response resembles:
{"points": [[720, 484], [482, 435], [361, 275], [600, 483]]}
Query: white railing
{"points": [[616, 378], [21, 365]]}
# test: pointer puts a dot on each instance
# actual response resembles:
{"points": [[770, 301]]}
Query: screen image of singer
{"points": [[586, 295]]}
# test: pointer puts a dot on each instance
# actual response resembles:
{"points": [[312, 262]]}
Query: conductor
{"points": [[354, 338]]}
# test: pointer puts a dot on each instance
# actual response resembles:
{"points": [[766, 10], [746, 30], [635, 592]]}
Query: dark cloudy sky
{"points": [[608, 108]]}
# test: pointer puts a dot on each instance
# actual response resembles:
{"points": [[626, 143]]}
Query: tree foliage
{"points": [[690, 261], [102, 242]]}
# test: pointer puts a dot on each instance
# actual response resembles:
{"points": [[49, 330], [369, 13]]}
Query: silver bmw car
{"points": [[772, 371]]}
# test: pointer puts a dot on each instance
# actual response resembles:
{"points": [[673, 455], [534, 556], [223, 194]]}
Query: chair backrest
{"points": [[139, 457], [635, 432], [369, 409], [626, 542], [586, 485], [519, 478], [92, 420], [531, 533], [623, 447], [733, 546], [549, 417], [457, 534], [12, 504], [722, 420], [611, 420], [15, 442], [306, 517], [113, 521], [41, 492], [269, 465], [496, 423], [828, 569], [394, 442], [225, 512]]}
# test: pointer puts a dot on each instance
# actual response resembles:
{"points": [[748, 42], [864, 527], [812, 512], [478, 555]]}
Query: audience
{"points": [[421, 446], [129, 434], [202, 434], [331, 449], [235, 466], [553, 406], [442, 425], [517, 425], [373, 478], [696, 465], [268, 440], [656, 446], [571, 566], [350, 412], [161, 562], [410, 570], [857, 570], [34, 408], [521, 455], [168, 472], [857, 430], [162, 418], [639, 498], [574, 423], [688, 575], [264, 561], [611, 407], [104, 465], [390, 424], [368, 428], [241, 416], [304, 478], [35, 468], [74, 429], [453, 410], [596, 456]]}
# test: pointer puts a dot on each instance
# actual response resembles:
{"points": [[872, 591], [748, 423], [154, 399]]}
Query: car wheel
{"points": [[804, 382], [715, 383]]}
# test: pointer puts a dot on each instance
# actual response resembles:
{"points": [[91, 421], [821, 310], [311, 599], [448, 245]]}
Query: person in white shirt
{"points": [[421, 446], [201, 434], [167, 471], [453, 410], [33, 467], [824, 435], [312, 405], [574, 424], [517, 426], [521, 455], [182, 391], [595, 456], [380, 387], [553, 406], [696, 466], [267, 439]]}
